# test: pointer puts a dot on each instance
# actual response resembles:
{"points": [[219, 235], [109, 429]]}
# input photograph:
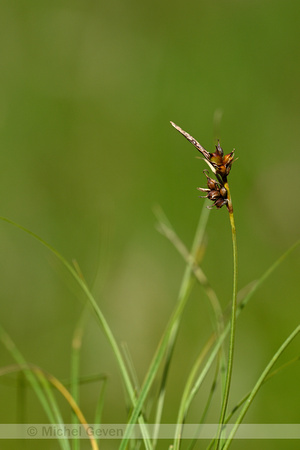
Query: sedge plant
{"points": [[219, 193], [140, 394]]}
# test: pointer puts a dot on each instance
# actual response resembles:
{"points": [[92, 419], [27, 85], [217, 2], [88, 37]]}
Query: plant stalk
{"points": [[233, 319]]}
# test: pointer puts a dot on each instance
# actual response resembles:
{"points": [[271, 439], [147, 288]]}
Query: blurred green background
{"points": [[87, 92]]}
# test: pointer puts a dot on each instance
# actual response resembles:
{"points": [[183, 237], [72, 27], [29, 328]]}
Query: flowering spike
{"points": [[218, 163]]}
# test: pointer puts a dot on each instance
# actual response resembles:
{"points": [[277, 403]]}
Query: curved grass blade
{"points": [[163, 387], [55, 415], [208, 403], [66, 394], [32, 380], [192, 259], [21, 398], [268, 377], [155, 364], [267, 273], [75, 365], [186, 399], [259, 383], [58, 417], [100, 403], [167, 230], [101, 319], [169, 336], [240, 308]]}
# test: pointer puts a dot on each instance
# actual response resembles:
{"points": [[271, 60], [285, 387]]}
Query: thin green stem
{"points": [[233, 319]]}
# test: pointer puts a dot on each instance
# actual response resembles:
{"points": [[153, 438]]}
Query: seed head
{"points": [[216, 192], [219, 163]]}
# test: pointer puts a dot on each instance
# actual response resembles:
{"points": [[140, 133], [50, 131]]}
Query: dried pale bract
{"points": [[193, 141]]}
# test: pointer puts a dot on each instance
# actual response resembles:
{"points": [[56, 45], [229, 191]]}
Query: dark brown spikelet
{"points": [[216, 192]]}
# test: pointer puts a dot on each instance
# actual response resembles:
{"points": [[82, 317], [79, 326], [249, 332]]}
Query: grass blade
{"points": [[259, 383], [30, 377], [75, 367], [169, 337], [269, 376], [240, 308], [58, 417], [101, 319], [165, 228], [186, 398], [100, 403]]}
